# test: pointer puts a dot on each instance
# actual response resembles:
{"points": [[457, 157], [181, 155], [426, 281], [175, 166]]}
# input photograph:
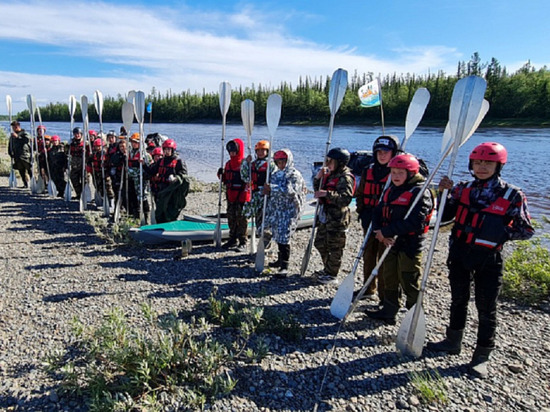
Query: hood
{"points": [[236, 161], [290, 160]]}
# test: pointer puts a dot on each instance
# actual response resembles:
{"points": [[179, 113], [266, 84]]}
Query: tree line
{"points": [[522, 95]]}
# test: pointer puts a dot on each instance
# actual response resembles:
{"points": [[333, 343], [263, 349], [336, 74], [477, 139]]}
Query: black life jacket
{"points": [[483, 228], [373, 189]]}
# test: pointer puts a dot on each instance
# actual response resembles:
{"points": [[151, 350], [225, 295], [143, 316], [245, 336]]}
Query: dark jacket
{"points": [[20, 147]]}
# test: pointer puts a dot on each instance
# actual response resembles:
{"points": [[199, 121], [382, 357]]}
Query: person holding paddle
{"points": [[78, 154], [402, 267], [488, 212], [57, 159], [20, 151], [371, 185], [334, 186]]}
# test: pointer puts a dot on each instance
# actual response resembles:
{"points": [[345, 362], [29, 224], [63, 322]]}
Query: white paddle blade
{"points": [[29, 105], [127, 115], [247, 115], [84, 108], [67, 196], [131, 96], [34, 188], [253, 246], [98, 102], [72, 105], [415, 112], [12, 179], [225, 97], [218, 234], [410, 339], [139, 106], [273, 112], [260, 256], [8, 104], [343, 298], [466, 103], [40, 186], [52, 190], [337, 90]]}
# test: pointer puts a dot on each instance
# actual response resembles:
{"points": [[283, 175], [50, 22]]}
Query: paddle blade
{"points": [[67, 196], [307, 254], [84, 108], [252, 249], [98, 102], [337, 90], [40, 186], [139, 106], [98, 199], [127, 115], [52, 190], [8, 105], [273, 112], [131, 96], [466, 103], [415, 112], [72, 105], [34, 188], [412, 334], [260, 256], [218, 233], [225, 97], [12, 179], [344, 295], [106, 207], [247, 115]]}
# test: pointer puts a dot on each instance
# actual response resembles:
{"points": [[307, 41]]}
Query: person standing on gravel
{"points": [[488, 212], [19, 149], [78, 154], [287, 195], [57, 159], [334, 187], [402, 267], [371, 185]]}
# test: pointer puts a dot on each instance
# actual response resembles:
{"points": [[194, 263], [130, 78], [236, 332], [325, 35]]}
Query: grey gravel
{"points": [[55, 267]]}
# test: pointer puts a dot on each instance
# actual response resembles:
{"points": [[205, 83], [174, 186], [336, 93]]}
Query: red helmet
{"points": [[171, 144], [92, 133], [98, 143], [41, 127], [405, 161], [55, 138], [157, 151], [280, 155], [490, 151]]}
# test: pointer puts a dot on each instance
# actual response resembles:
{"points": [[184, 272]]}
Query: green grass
{"points": [[429, 387]]}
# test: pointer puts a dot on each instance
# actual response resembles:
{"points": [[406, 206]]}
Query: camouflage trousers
{"points": [[330, 245], [237, 221], [98, 179], [371, 254], [402, 272]]}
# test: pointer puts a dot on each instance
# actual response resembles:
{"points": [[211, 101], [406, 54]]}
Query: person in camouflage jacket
{"points": [[20, 151], [334, 186]]}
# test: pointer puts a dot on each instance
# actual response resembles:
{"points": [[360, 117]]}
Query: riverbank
{"points": [[55, 267]]}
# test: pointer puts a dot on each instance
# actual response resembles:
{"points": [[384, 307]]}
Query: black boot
{"points": [[232, 242], [452, 343], [389, 309], [480, 361], [284, 256], [275, 263]]}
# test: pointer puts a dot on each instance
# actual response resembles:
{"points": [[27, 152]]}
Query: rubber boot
{"points": [[284, 255], [452, 343], [480, 361], [389, 309]]}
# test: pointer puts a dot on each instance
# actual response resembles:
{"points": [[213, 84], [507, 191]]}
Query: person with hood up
{"points": [[334, 186], [402, 267], [287, 195], [237, 194]]}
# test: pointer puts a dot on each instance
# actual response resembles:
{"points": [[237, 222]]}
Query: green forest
{"points": [[518, 98]]}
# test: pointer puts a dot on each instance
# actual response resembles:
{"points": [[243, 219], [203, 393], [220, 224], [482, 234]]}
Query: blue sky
{"points": [[54, 49]]}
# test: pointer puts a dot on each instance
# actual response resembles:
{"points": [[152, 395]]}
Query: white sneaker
{"points": [[327, 279]]}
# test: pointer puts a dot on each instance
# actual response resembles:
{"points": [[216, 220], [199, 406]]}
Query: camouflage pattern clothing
{"points": [[249, 173], [19, 149], [334, 217], [286, 200]]}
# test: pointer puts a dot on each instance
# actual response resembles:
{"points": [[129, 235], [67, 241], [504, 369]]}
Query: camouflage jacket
{"points": [[340, 187]]}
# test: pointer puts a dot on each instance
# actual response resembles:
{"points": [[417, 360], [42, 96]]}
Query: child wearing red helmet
{"points": [[488, 212], [402, 267]]}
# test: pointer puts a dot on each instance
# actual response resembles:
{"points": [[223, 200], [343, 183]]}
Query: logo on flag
{"points": [[370, 94]]}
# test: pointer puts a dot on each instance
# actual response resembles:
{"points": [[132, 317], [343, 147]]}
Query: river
{"points": [[200, 146]]}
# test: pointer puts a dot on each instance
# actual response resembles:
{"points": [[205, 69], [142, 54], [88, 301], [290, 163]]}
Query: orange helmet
{"points": [[262, 144], [135, 138]]}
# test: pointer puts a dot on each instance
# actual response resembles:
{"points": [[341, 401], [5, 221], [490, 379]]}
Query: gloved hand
{"points": [[220, 172], [172, 178]]}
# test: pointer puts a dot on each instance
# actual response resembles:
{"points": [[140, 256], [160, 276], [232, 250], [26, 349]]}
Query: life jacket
{"points": [[331, 184], [133, 160], [76, 149], [482, 228], [96, 161], [167, 167], [403, 202], [236, 187], [373, 189], [258, 175]]}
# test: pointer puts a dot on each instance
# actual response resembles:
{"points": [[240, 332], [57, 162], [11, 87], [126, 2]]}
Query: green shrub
{"points": [[527, 272], [429, 386]]}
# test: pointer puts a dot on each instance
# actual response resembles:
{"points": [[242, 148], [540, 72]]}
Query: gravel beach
{"points": [[55, 267]]}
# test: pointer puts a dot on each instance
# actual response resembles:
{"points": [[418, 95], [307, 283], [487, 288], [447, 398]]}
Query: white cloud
{"points": [[178, 49]]}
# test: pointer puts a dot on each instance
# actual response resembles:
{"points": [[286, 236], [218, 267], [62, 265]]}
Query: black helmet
{"points": [[387, 142], [339, 154], [232, 146], [77, 130]]}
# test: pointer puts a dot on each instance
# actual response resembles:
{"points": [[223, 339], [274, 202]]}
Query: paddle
{"points": [[52, 190], [98, 103], [466, 105], [85, 196], [127, 119], [139, 109], [72, 109], [247, 115], [225, 101], [31, 104], [273, 116], [344, 295], [337, 90], [12, 179]]}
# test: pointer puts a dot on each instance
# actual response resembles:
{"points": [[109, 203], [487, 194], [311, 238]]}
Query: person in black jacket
{"points": [[19, 149]]}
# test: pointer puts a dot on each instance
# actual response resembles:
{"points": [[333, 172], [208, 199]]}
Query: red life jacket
{"points": [[482, 228], [373, 189], [398, 208], [96, 162], [330, 185], [258, 175], [133, 160], [76, 150], [167, 167], [236, 187]]}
